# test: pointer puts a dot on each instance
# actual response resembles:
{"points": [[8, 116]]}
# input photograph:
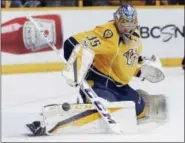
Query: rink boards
{"points": [[162, 32]]}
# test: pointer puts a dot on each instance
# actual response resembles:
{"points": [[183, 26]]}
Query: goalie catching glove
{"points": [[151, 69]]}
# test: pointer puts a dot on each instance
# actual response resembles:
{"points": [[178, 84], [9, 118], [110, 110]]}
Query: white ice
{"points": [[23, 96]]}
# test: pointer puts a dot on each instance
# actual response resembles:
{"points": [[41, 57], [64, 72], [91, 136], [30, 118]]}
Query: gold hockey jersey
{"points": [[113, 58]]}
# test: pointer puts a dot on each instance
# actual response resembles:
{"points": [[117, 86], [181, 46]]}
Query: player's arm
{"points": [[93, 40], [138, 70], [140, 57], [91, 43], [82, 59]]}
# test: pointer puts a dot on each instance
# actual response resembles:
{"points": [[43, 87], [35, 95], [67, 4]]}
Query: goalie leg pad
{"points": [[156, 106], [84, 118]]}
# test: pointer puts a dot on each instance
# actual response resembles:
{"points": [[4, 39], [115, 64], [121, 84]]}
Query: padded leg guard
{"points": [[156, 107]]}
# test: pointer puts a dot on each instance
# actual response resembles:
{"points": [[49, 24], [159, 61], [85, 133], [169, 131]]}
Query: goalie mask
{"points": [[126, 21]]}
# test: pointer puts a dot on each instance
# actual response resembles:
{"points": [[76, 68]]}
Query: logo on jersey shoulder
{"points": [[108, 34], [131, 56]]}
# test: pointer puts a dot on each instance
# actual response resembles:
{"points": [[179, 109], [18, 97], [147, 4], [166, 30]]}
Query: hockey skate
{"points": [[36, 128]]}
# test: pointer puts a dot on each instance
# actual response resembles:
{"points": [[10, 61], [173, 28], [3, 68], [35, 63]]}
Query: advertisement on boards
{"points": [[161, 34]]}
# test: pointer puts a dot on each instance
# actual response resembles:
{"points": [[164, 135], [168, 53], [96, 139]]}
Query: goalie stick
{"points": [[91, 95]]}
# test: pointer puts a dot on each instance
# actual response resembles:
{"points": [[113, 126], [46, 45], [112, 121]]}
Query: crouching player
{"points": [[117, 46]]}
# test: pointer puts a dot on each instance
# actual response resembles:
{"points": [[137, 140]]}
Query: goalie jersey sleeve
{"points": [[113, 58]]}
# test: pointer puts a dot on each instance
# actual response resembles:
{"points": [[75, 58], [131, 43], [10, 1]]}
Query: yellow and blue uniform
{"points": [[112, 57], [114, 65], [117, 48]]}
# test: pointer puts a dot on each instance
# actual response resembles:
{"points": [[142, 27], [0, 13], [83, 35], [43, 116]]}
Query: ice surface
{"points": [[23, 96]]}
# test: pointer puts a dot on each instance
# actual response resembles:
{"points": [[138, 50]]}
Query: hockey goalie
{"points": [[101, 62]]}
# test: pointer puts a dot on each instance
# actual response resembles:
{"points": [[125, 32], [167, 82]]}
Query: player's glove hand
{"points": [[152, 70]]}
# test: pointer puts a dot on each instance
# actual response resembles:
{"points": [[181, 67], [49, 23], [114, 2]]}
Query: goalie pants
{"points": [[110, 92]]}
